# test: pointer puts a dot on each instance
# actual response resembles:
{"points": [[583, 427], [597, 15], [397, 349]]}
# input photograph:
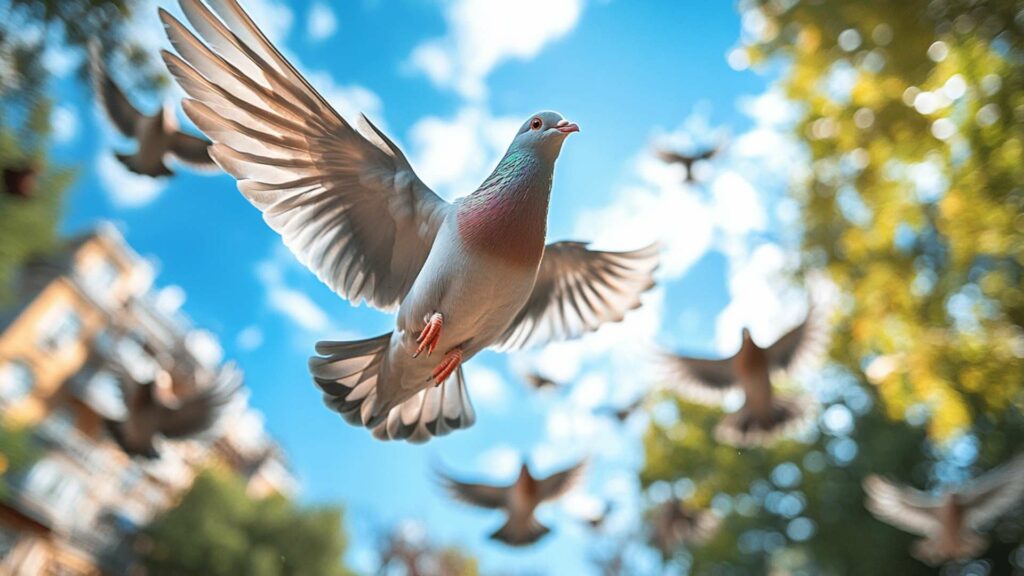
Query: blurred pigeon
{"points": [[20, 180], [621, 414], [149, 416], [463, 276], [538, 382], [518, 500], [156, 135], [687, 160], [673, 524], [950, 522], [763, 416], [596, 522]]}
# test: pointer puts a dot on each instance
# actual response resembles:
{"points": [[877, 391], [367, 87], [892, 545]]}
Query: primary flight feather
{"points": [[463, 276]]}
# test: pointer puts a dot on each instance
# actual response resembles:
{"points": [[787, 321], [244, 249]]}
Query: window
{"points": [[16, 381], [61, 327], [98, 275], [56, 486]]}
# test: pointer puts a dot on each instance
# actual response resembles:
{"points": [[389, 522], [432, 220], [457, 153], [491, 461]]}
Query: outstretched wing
{"points": [[482, 495], [577, 290], [345, 201], [803, 346], [123, 115], [994, 494], [903, 507], [199, 412], [192, 150], [556, 485], [698, 379]]}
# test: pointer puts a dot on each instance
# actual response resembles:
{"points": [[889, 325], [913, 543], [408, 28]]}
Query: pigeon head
{"points": [[543, 134]]}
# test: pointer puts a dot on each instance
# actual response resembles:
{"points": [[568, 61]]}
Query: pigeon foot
{"points": [[451, 362], [430, 335]]}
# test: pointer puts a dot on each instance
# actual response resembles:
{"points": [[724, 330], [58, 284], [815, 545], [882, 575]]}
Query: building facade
{"points": [[82, 316]]}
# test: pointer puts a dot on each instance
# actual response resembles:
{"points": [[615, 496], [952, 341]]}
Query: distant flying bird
{"points": [[538, 382], [951, 522], [623, 413], [763, 416], [463, 276], [20, 180], [687, 160], [673, 524], [519, 501], [157, 136], [148, 416], [596, 521]]}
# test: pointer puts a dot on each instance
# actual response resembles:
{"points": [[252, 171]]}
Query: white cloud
{"points": [[321, 23], [482, 34], [486, 387], [170, 299], [454, 155], [123, 188], [64, 122], [249, 338], [293, 304], [205, 347], [500, 462]]}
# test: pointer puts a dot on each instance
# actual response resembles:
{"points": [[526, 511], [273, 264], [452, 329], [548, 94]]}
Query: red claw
{"points": [[451, 362], [430, 335]]}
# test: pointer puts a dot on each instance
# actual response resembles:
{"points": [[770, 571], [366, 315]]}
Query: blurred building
{"points": [[84, 314]]}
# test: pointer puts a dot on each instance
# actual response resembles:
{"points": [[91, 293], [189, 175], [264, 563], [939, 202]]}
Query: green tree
{"points": [[16, 453], [217, 530], [913, 115]]}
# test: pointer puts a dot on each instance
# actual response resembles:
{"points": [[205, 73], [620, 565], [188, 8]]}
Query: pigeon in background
{"points": [[950, 522], [673, 524], [763, 416], [687, 160], [463, 276], [157, 136], [518, 500], [596, 522], [621, 414], [539, 382], [149, 416]]}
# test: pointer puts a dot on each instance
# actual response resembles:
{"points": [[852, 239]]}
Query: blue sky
{"points": [[450, 81]]}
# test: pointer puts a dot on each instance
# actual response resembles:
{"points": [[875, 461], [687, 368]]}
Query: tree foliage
{"points": [[217, 530], [912, 113]]}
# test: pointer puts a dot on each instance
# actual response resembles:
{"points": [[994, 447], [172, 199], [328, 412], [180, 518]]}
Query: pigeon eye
{"points": [[535, 124]]}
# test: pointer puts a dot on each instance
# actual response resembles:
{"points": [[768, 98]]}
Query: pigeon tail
{"points": [[934, 552], [527, 533], [349, 373], [745, 427]]}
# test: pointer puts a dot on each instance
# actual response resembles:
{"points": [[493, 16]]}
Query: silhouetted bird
{"points": [[21, 180], [673, 524], [518, 500], [539, 382], [149, 416], [950, 522], [156, 135], [687, 160], [763, 415], [621, 414]]}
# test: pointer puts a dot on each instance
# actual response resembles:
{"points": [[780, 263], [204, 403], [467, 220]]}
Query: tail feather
{"points": [[348, 374], [513, 534], [745, 428], [934, 552]]}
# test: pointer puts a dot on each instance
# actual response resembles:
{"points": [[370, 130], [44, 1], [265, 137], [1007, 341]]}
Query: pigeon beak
{"points": [[566, 127]]}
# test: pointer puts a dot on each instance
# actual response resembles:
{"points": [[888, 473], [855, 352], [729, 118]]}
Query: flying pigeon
{"points": [[157, 135], [687, 160], [463, 276], [149, 416], [950, 522], [537, 381], [596, 521], [673, 524], [763, 416], [623, 413], [519, 501]]}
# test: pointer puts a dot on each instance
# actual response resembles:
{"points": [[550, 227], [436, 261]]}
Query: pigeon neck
{"points": [[507, 216]]}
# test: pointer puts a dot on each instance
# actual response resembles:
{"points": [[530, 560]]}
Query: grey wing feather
{"points": [[481, 495], [345, 201], [556, 485], [803, 346], [199, 412], [901, 506], [698, 379], [577, 290], [994, 494], [192, 150], [123, 115]]}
